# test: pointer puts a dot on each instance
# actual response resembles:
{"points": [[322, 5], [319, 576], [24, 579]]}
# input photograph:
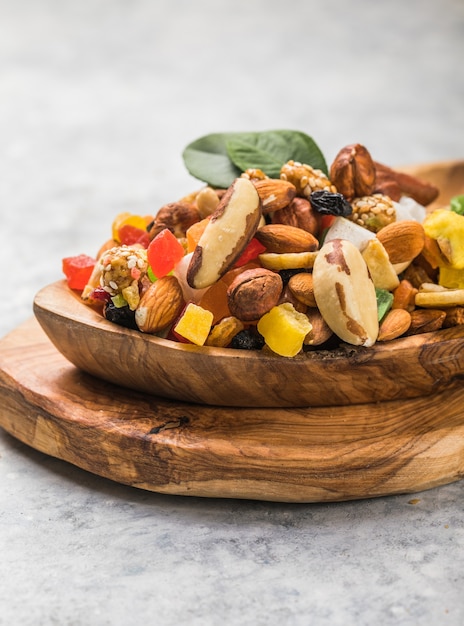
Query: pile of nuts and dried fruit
{"points": [[286, 264]]}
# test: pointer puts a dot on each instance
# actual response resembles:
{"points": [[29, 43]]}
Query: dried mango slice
{"points": [[284, 329], [447, 227]]}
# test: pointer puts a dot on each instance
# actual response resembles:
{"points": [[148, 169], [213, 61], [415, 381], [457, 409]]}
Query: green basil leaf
{"points": [[269, 150], [206, 159], [219, 158]]}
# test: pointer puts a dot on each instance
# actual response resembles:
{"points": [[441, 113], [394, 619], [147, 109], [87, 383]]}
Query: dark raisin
{"points": [[122, 315], [248, 339], [328, 203]]}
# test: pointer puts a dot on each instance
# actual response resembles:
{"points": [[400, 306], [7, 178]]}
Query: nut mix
{"points": [[287, 263]]}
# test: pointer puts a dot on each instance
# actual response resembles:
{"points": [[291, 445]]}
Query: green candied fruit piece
{"points": [[384, 302], [457, 204], [119, 301]]}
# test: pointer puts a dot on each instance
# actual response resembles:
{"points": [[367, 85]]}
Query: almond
{"points": [[275, 193], [302, 287], [402, 240], [426, 320], [394, 324], [404, 296], [282, 238], [160, 305], [320, 331]]}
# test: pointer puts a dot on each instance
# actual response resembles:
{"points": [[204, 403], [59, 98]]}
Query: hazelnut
{"points": [[253, 293]]}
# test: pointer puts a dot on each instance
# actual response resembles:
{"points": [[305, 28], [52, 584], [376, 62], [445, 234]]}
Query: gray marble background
{"points": [[97, 100]]}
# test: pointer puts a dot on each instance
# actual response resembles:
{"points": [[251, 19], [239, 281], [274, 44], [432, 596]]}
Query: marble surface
{"points": [[97, 100]]}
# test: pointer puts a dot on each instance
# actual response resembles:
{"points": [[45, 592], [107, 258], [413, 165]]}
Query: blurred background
{"points": [[98, 98]]}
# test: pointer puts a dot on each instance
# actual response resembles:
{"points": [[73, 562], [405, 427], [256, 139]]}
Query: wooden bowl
{"points": [[405, 368]]}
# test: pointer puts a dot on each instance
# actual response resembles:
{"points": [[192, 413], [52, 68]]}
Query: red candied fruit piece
{"points": [[252, 251], [100, 294], [78, 270], [164, 253], [130, 235]]}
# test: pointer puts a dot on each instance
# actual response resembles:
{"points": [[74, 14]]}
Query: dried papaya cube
{"points": [[194, 324], [78, 270], [284, 329]]}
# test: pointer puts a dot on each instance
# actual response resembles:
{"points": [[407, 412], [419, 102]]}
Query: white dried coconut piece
{"points": [[349, 231]]}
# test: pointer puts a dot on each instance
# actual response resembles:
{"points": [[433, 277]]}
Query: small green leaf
{"points": [[219, 158], [269, 150], [207, 159]]}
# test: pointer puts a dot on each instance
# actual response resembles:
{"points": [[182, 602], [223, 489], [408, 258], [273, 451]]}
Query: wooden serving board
{"points": [[287, 455]]}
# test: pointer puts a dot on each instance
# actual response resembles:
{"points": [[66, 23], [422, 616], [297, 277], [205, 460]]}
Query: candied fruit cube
{"points": [[447, 227], [78, 270], [129, 219], [451, 278], [284, 329], [164, 253], [194, 324]]}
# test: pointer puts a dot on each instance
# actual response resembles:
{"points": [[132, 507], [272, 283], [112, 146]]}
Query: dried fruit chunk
{"points": [[284, 329], [78, 270], [345, 293], [327, 203], [222, 334], [164, 253], [380, 267], [447, 227], [440, 299], [451, 278], [226, 235], [422, 192], [194, 324], [287, 260]]}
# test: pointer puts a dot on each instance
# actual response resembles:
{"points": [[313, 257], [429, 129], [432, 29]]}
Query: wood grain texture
{"points": [[287, 455], [405, 368]]}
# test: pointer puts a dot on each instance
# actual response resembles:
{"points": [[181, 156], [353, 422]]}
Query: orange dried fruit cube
{"points": [[194, 233], [194, 324]]}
